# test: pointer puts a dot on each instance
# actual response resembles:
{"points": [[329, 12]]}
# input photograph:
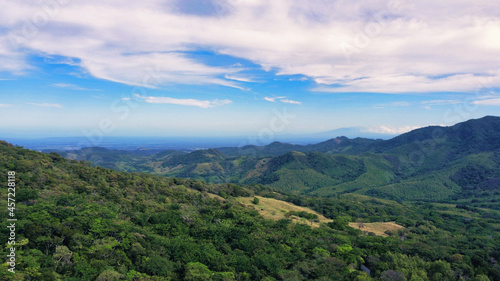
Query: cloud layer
{"points": [[282, 99], [344, 46], [187, 102], [55, 105]]}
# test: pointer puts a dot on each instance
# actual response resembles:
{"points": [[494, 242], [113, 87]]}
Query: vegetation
{"points": [[378, 228], [433, 164], [274, 209], [78, 222], [422, 206]]}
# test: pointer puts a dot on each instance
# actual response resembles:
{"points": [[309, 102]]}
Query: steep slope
{"points": [[299, 172], [428, 161]]}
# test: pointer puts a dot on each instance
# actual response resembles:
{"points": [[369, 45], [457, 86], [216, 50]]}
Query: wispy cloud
{"points": [[281, 99], [396, 103], [290, 101], [491, 102], [55, 105], [441, 102], [301, 79], [430, 103], [391, 130], [5, 105], [185, 102], [240, 78], [403, 84], [72, 87], [400, 103]]}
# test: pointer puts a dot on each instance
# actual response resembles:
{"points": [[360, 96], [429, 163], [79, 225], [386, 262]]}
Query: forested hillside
{"points": [[78, 222], [435, 164]]}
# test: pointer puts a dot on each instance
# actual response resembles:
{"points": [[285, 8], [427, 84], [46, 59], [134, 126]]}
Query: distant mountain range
{"points": [[181, 143], [351, 132], [460, 163]]}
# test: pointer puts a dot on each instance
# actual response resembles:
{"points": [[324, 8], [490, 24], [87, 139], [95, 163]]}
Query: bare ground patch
{"points": [[379, 228], [276, 210]]}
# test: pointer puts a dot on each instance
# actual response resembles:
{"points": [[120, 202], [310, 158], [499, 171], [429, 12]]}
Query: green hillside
{"points": [[446, 164], [78, 222]]}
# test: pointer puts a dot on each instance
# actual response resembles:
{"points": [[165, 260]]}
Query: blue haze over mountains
{"points": [[187, 143]]}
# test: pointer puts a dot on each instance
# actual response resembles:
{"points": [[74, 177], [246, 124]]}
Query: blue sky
{"points": [[244, 67]]}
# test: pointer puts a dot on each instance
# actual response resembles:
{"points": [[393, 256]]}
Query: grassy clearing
{"points": [[379, 228], [276, 210]]}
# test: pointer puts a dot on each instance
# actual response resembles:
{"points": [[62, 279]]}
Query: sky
{"points": [[256, 68]]}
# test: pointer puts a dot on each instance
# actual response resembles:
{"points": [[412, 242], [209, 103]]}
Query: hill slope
{"points": [[460, 163], [77, 222]]}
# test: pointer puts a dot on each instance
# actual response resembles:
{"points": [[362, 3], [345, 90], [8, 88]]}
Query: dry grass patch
{"points": [[276, 210], [215, 196], [379, 228]]}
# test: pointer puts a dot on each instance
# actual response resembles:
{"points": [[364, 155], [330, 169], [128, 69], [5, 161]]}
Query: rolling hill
{"points": [[79, 222], [460, 163]]}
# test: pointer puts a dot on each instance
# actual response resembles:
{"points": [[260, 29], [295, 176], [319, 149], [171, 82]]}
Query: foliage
{"points": [[439, 164], [255, 201], [80, 222]]}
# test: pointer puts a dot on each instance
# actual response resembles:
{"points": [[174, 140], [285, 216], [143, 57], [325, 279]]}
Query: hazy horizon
{"points": [[189, 143], [179, 142]]}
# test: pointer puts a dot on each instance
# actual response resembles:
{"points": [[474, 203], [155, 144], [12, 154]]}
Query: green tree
{"points": [[62, 257], [109, 275], [481, 277], [339, 223], [196, 271], [255, 200], [223, 276]]}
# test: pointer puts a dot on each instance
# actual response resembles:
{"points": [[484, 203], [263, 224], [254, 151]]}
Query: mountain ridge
{"points": [[78, 222], [424, 164]]}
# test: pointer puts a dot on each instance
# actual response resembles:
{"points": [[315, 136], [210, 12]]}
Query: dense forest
{"points": [[79, 222]]}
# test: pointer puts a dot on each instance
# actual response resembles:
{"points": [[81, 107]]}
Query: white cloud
{"points": [[239, 78], [186, 102], [5, 105], [56, 105], [155, 69], [400, 103], [441, 102], [301, 79], [413, 84], [345, 46], [72, 87], [281, 99], [290, 101], [391, 130], [12, 61], [491, 102], [63, 85]]}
